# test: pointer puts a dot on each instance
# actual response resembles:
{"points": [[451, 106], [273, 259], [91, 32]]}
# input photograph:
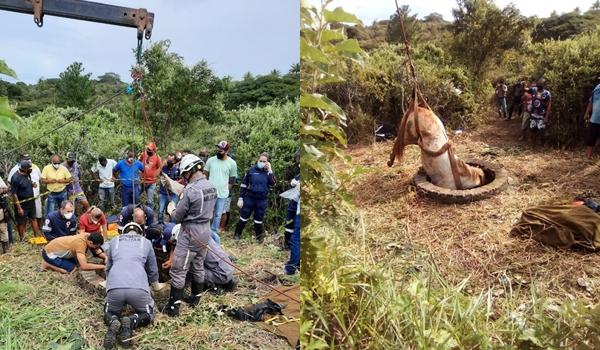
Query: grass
{"points": [[44, 310], [406, 272]]}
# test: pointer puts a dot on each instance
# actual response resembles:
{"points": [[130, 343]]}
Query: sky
{"points": [[371, 10], [233, 36]]}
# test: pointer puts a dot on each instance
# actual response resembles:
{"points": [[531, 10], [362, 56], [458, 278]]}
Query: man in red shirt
{"points": [[92, 221], [152, 167]]}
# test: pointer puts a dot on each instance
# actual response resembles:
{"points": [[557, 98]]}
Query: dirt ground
{"points": [[472, 240]]}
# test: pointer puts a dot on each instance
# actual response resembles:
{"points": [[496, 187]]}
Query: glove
{"points": [[294, 182], [171, 208], [240, 203], [156, 286]]}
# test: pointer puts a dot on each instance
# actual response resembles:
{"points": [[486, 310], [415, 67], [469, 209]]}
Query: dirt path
{"points": [[472, 240]]}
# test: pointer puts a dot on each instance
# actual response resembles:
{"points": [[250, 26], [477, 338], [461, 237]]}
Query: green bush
{"points": [[571, 68]]}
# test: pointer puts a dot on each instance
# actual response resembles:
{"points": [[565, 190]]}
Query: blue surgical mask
{"points": [[260, 165]]}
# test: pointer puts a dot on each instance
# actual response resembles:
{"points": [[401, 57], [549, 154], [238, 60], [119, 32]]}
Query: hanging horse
{"points": [[420, 126]]}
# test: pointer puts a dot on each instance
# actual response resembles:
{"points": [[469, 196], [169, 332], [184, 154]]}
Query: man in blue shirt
{"points": [[62, 222], [140, 214], [164, 195], [128, 170], [592, 116]]}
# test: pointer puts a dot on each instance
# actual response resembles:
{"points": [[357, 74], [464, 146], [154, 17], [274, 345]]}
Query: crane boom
{"points": [[85, 11]]}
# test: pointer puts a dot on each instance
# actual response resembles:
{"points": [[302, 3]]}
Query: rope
{"points": [[242, 271], [77, 117]]}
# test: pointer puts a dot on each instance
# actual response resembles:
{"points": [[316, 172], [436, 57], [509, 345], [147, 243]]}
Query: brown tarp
{"points": [[288, 325], [562, 226]]}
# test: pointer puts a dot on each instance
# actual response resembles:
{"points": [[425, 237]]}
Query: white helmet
{"points": [[189, 162], [175, 232], [133, 226]]}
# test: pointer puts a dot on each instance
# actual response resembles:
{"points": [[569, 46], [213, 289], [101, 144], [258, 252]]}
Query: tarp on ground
{"points": [[563, 226], [288, 324]]}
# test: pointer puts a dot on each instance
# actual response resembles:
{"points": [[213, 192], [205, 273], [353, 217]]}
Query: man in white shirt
{"points": [[103, 173]]}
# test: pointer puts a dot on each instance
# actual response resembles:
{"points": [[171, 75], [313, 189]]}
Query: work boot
{"points": [[197, 289], [5, 247], [239, 228], [229, 286], [125, 333], [172, 308], [258, 231], [110, 339]]}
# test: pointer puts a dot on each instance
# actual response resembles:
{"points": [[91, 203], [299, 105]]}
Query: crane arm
{"points": [[85, 11]]}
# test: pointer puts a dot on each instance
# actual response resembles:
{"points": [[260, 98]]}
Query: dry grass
{"points": [[74, 309], [473, 239]]}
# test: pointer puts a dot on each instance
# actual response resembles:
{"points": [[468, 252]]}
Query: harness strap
{"points": [[454, 168], [447, 147]]}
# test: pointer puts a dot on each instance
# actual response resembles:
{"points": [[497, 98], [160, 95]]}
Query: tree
{"points": [[176, 93], [109, 78], [411, 25], [595, 6], [482, 32], [7, 115], [75, 89], [263, 90]]}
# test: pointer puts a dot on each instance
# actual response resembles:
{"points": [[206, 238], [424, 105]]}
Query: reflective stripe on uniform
{"points": [[258, 222], [187, 256]]}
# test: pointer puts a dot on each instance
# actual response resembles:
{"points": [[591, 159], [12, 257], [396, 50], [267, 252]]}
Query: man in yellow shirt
{"points": [[56, 177]]}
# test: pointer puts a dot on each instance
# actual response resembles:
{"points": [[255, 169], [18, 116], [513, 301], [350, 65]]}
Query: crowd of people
{"points": [[533, 101], [530, 101], [186, 230]]}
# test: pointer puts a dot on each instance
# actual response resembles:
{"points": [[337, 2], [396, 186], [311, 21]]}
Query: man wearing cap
{"points": [[152, 167], [56, 177], [74, 191], [21, 187], [60, 223], [4, 239], [165, 196], [35, 175], [128, 170], [221, 171], [131, 264], [103, 173]]}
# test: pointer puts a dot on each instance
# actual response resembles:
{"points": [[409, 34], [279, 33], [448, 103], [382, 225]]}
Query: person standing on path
{"points": [[221, 171], [592, 119]]}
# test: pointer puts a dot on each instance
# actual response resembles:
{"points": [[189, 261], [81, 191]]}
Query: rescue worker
{"points": [[218, 268], [193, 212], [131, 263], [62, 222], [253, 196], [140, 214]]}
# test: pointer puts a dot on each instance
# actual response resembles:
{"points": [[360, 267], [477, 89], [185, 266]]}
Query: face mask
{"points": [[55, 166], [149, 153], [68, 216], [170, 163], [130, 160], [260, 165]]}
